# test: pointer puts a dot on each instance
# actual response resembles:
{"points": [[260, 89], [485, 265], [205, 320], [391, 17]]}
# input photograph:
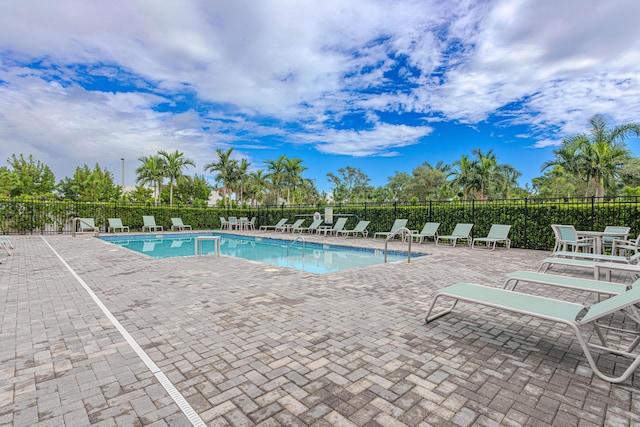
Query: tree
{"points": [[90, 185], [192, 190], [257, 186], [151, 172], [293, 174], [276, 174], [140, 195], [173, 164], [596, 156], [30, 177], [242, 176], [465, 176], [351, 184], [226, 169]]}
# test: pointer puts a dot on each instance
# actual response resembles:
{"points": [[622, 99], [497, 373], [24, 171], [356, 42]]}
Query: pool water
{"points": [[311, 257]]}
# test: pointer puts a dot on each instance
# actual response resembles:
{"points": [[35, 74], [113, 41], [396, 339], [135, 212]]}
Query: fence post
{"points": [[526, 215], [593, 210]]}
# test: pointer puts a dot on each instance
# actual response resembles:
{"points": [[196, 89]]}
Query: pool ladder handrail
{"points": [[74, 226], [403, 231], [294, 241]]}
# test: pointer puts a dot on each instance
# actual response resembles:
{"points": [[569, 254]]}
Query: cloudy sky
{"points": [[379, 85]]}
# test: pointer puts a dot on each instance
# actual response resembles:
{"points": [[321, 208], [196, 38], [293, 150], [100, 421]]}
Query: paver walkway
{"points": [[246, 345]]}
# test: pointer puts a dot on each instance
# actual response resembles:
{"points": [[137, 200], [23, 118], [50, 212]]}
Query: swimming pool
{"points": [[311, 257]]}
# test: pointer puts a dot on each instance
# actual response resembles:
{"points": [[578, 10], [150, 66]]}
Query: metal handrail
{"points": [[301, 238], [401, 231], [74, 226]]}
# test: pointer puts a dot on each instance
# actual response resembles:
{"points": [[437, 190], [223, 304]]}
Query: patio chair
{"points": [[176, 223], [568, 237], [460, 232], [430, 230], [312, 228], [252, 223], [361, 227], [566, 313], [87, 225], [223, 223], [277, 226], [607, 241], [623, 245], [397, 225], [338, 226], [232, 223], [115, 224], [497, 233], [149, 222]]}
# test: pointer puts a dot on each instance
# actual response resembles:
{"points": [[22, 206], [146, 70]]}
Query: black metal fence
{"points": [[530, 218]]}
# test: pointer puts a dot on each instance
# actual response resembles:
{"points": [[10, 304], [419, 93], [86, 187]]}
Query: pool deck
{"points": [[245, 343]]}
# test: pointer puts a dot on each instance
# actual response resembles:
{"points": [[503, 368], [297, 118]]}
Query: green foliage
{"points": [[90, 185], [30, 178]]}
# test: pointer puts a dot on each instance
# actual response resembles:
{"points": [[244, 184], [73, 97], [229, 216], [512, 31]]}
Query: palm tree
{"points": [[293, 174], [597, 156], [151, 172], [174, 163], [276, 174], [466, 176], [242, 176], [226, 169], [257, 185]]}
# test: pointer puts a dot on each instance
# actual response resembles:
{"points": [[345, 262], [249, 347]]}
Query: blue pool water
{"points": [[312, 257]]}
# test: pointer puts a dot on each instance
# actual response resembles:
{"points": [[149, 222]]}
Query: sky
{"points": [[381, 85]]}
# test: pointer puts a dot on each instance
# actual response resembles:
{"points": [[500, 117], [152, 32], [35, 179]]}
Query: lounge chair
{"points": [[430, 230], [497, 233], [337, 227], [87, 225], [7, 244], [115, 224], [460, 232], [150, 223], [567, 313], [397, 225], [311, 228], [578, 283], [277, 226], [361, 227], [297, 224], [176, 223]]}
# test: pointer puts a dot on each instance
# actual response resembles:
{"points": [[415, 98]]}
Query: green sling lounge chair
{"points": [[460, 232], [176, 223], [312, 228], [397, 225], [430, 230], [570, 282], [570, 314], [87, 225], [338, 226], [294, 227], [361, 227], [277, 226], [115, 224], [150, 223], [497, 233]]}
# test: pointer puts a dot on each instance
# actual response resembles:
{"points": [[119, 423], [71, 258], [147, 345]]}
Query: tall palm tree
{"points": [[257, 185], [242, 176], [226, 170], [465, 176], [151, 172], [276, 174], [174, 163], [293, 174]]}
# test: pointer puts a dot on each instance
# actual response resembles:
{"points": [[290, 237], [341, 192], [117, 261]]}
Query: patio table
{"points": [[598, 236]]}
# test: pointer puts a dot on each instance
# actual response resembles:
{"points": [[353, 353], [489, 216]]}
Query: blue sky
{"points": [[379, 85]]}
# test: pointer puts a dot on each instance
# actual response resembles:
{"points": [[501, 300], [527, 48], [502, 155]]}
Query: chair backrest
{"points": [[223, 220], [612, 305], [567, 233], [339, 225], [281, 222], [115, 223], [149, 220], [297, 224], [315, 224], [177, 222], [398, 224], [624, 234], [87, 224], [430, 228], [361, 226], [499, 231], [462, 230], [233, 220]]}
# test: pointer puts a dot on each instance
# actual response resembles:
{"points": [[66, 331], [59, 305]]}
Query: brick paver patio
{"points": [[246, 345]]}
